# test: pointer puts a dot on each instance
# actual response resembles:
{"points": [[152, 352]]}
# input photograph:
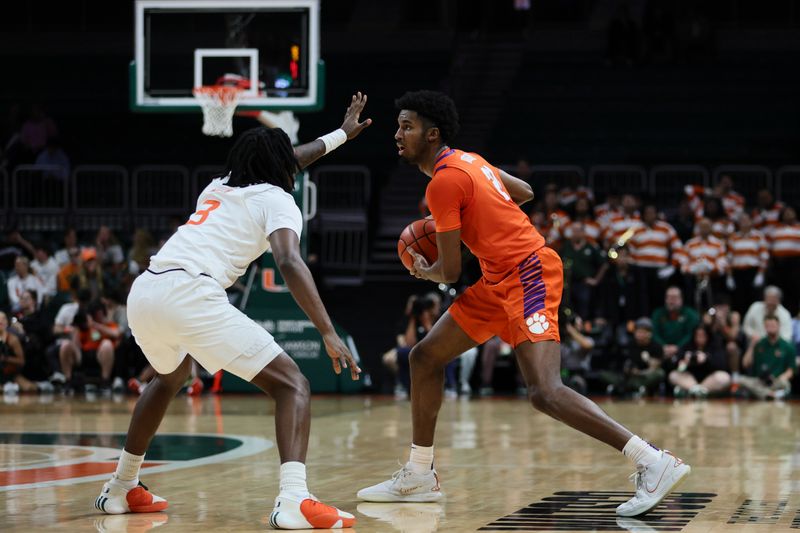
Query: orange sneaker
{"points": [[307, 513], [115, 498]]}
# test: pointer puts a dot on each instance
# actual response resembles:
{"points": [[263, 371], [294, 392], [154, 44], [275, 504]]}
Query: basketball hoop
{"points": [[218, 103]]}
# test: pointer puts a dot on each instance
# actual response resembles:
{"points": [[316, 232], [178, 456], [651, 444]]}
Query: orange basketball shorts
{"points": [[522, 307]]}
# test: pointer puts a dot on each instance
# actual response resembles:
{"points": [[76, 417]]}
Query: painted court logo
{"points": [[537, 323], [40, 459]]}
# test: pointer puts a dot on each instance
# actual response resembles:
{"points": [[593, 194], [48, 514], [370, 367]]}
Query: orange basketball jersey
{"points": [[466, 192]]}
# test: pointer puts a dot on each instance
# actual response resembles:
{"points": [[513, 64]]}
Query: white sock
{"points": [[421, 459], [735, 377], [128, 468], [293, 478], [641, 452]]}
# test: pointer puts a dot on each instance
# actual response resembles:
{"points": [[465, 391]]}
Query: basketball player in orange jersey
{"points": [[517, 299]]}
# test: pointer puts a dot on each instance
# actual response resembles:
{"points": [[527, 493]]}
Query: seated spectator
{"points": [[109, 252], [748, 255], [54, 155], [771, 362], [34, 331], [92, 275], [584, 269], [12, 359], [705, 265], [70, 270], [785, 252], [674, 324], [724, 325], [656, 251], [640, 370], [770, 306], [767, 213], [700, 367], [46, 269], [576, 349], [62, 256], [21, 281], [94, 339], [141, 251]]}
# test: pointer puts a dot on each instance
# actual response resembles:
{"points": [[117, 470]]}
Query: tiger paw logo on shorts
{"points": [[537, 323]]}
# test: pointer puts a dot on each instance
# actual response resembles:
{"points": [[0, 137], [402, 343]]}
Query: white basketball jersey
{"points": [[229, 230]]}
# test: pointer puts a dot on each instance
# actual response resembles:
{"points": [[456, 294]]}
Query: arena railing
{"points": [[201, 177], [39, 197], [159, 199], [342, 222], [668, 182], [787, 188], [101, 196], [563, 175], [747, 179], [623, 178]]}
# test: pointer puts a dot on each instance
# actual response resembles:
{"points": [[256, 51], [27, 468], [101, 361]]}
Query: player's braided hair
{"points": [[262, 155], [438, 108]]}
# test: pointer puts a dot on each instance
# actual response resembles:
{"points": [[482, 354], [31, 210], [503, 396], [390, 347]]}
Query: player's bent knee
{"points": [[543, 398], [421, 357]]}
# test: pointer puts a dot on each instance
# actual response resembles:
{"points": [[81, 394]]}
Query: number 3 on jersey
{"points": [[203, 213]]}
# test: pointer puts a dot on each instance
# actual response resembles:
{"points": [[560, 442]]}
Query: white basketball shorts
{"points": [[172, 314]]}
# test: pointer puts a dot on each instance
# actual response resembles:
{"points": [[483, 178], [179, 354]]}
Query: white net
{"points": [[219, 104]]}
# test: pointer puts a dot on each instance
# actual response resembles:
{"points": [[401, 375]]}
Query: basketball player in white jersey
{"points": [[178, 307]]}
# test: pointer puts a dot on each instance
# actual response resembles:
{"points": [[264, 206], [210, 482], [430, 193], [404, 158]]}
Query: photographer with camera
{"points": [[640, 371], [700, 367], [422, 313], [772, 364]]}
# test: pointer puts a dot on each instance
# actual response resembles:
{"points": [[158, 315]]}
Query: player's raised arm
{"points": [[520, 191], [350, 128], [286, 251]]}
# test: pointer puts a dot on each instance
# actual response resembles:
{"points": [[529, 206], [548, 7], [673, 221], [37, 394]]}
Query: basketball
{"points": [[420, 236]]}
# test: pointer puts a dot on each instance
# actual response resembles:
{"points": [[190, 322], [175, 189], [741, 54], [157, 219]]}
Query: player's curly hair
{"points": [[435, 107], [262, 155]]}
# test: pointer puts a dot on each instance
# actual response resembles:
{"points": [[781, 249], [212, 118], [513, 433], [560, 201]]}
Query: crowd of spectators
{"points": [[63, 320], [694, 300]]}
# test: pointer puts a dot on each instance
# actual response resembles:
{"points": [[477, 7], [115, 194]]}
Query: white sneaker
{"points": [[10, 388], [653, 483], [292, 512], [405, 486], [115, 498]]}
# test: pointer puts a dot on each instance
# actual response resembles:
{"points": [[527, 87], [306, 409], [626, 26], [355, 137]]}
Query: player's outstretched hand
{"points": [[351, 126], [420, 264], [340, 355]]}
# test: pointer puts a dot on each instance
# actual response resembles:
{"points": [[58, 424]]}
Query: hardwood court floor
{"points": [[500, 463]]}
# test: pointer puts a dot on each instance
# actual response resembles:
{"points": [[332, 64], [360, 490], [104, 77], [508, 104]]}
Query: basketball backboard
{"points": [[272, 44]]}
